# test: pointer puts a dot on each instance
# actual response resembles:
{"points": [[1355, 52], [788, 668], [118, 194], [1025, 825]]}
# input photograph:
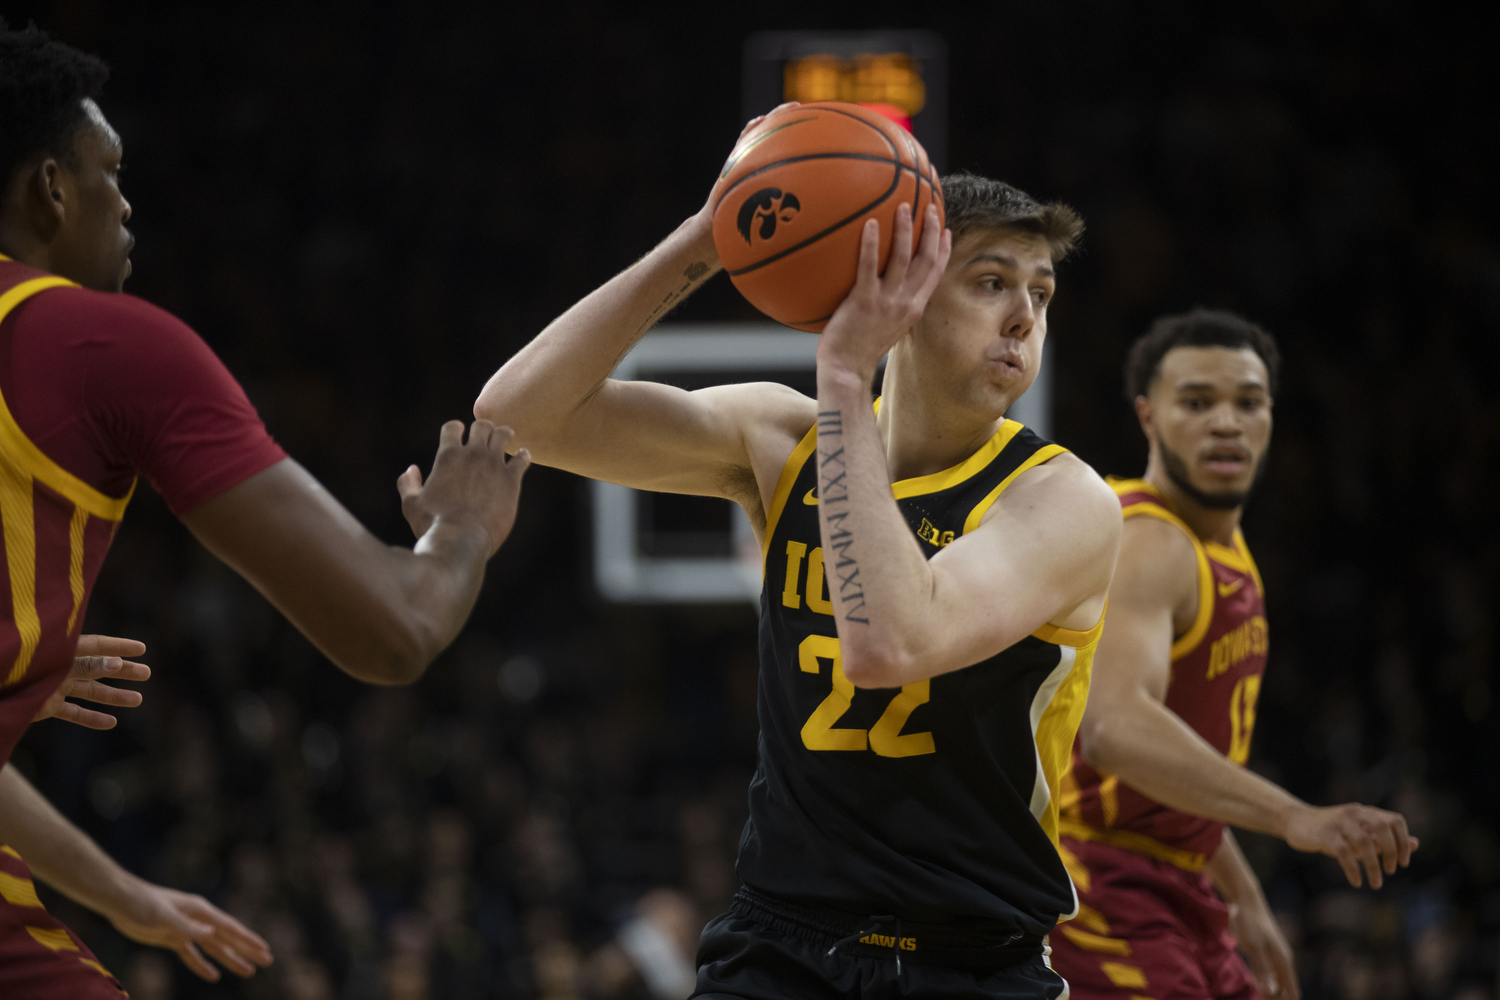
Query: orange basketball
{"points": [[792, 200]]}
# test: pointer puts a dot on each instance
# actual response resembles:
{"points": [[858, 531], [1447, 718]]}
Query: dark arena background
{"points": [[366, 208]]}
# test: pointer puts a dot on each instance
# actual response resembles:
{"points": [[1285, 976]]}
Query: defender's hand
{"points": [[881, 309], [473, 483], [97, 656], [1354, 835], [190, 925], [1256, 932]]}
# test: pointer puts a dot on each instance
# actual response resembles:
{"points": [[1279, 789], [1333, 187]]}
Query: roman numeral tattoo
{"points": [[833, 475]]}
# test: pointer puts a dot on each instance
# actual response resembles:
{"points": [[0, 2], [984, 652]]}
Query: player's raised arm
{"points": [[381, 612], [1044, 553], [557, 395]]}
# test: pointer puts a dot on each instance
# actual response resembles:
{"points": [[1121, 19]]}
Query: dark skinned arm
{"points": [[380, 612]]}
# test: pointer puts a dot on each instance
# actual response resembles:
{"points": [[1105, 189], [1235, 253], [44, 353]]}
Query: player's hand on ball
{"points": [[883, 308], [473, 483], [1354, 835], [1260, 939], [190, 925], [98, 658]]}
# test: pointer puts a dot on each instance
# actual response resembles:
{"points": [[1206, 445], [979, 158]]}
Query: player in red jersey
{"points": [[1158, 767], [99, 388]]}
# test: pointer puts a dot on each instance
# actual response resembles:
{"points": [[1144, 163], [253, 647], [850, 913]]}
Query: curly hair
{"points": [[43, 85], [972, 202], [1198, 328]]}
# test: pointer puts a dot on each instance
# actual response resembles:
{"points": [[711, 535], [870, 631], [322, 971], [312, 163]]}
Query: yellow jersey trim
{"points": [[1041, 455], [969, 467], [31, 459], [1072, 637], [1135, 843], [789, 471], [1190, 639]]}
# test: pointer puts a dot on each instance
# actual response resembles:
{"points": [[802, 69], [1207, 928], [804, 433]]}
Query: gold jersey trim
{"points": [[31, 460], [1135, 843], [789, 471], [1189, 640]]}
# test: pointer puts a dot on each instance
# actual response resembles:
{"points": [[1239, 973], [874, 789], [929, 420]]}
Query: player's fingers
{"points": [[231, 931], [89, 667], [451, 435], [104, 694], [194, 960], [108, 645], [1346, 860], [937, 264], [1384, 835], [85, 717], [1405, 842], [519, 463], [480, 432], [869, 255], [409, 483], [225, 955], [132, 671], [500, 437], [1368, 852], [899, 263]]}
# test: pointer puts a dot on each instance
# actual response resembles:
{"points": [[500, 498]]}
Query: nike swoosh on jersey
{"points": [[812, 497], [1225, 589]]}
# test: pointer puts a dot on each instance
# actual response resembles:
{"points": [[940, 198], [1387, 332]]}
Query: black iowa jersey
{"points": [[934, 803]]}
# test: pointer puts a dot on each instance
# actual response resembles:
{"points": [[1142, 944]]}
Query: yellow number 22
{"points": [[885, 738]]}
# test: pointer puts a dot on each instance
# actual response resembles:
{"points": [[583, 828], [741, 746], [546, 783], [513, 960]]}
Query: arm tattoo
{"points": [[694, 274], [832, 474]]}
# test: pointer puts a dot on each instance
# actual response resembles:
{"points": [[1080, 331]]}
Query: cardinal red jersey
{"points": [[1216, 671], [95, 390]]}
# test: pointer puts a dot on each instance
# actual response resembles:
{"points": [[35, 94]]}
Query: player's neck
{"points": [[30, 252], [1208, 523], [924, 433]]}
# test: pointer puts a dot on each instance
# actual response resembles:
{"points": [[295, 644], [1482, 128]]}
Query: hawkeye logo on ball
{"points": [[763, 210]]}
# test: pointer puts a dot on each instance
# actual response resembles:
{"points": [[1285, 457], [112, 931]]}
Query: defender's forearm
{"points": [[1154, 751], [56, 851], [878, 578], [536, 391]]}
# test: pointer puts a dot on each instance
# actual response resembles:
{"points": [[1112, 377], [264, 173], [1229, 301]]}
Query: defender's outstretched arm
{"points": [[1128, 731], [380, 612]]}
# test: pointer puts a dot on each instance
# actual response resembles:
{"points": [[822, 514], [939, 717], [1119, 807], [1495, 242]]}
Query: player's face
{"points": [[983, 329], [1209, 417], [93, 246]]}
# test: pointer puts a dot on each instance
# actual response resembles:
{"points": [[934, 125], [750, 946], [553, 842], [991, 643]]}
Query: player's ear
{"points": [[48, 197], [1147, 416]]}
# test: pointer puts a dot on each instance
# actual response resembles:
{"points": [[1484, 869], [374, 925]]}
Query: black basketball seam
{"points": [[867, 157], [895, 152]]}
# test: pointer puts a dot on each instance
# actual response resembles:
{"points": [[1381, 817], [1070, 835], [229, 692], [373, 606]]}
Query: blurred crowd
{"points": [[366, 208]]}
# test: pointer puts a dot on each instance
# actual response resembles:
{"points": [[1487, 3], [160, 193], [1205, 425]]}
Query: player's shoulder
{"points": [[768, 414], [1158, 560], [107, 314], [1066, 485]]}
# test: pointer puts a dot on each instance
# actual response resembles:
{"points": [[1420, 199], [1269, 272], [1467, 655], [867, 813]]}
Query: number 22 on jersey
{"points": [[885, 737]]}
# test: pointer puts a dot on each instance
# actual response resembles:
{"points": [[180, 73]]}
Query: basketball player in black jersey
{"points": [[935, 581]]}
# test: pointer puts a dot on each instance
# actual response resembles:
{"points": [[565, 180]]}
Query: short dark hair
{"points": [[973, 203], [43, 85], [1198, 328]]}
